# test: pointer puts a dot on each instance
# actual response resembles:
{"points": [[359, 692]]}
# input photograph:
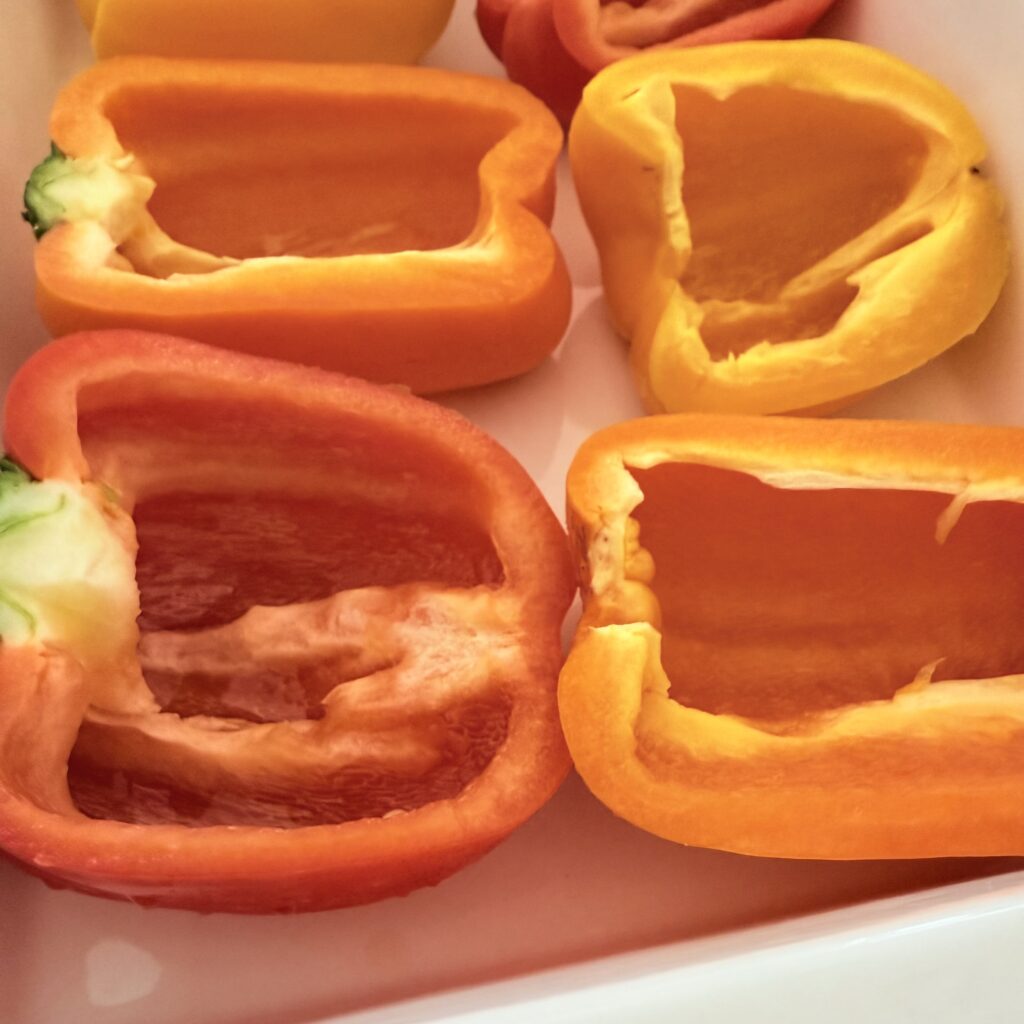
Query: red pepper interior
{"points": [[238, 504], [205, 559], [775, 181], [246, 174], [156, 794], [643, 23], [778, 602]]}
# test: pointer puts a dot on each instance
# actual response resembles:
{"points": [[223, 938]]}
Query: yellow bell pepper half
{"points": [[784, 225]]}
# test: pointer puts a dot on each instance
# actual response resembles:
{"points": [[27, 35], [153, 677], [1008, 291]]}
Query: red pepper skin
{"points": [[554, 47], [524, 36], [96, 408]]}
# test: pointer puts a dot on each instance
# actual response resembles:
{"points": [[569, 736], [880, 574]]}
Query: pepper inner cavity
{"points": [[776, 180], [247, 176], [777, 602], [255, 532], [205, 559]]}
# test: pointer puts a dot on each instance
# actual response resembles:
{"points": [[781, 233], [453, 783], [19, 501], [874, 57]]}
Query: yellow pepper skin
{"points": [[800, 637], [389, 31], [783, 226]]}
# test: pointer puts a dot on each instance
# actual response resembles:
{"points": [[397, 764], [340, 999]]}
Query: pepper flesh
{"points": [[799, 637], [396, 229], [554, 47], [391, 31], [777, 233], [341, 683]]}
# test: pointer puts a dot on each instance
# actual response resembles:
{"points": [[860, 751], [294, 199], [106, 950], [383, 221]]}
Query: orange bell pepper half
{"points": [[391, 226], [554, 47], [272, 639], [801, 638], [398, 31]]}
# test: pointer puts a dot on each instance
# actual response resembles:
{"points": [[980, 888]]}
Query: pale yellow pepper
{"points": [[392, 31]]}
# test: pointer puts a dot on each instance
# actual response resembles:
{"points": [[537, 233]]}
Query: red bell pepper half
{"points": [[272, 639], [554, 47]]}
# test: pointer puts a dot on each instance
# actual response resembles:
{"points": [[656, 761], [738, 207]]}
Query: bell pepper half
{"points": [[273, 639], [554, 47], [392, 225], [783, 226], [800, 637], [392, 31]]}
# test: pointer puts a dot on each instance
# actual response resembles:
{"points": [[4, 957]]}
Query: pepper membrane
{"points": [[327, 670]]}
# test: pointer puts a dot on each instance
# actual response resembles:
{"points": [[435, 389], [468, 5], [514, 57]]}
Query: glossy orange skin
{"points": [[248, 868], [935, 769], [554, 47], [488, 303]]}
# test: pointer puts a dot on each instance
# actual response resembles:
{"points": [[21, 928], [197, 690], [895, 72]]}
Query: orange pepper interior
{"points": [[248, 175], [777, 602]]}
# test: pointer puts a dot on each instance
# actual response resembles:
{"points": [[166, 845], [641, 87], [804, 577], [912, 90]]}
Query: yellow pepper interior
{"points": [[246, 175], [776, 181], [778, 601]]}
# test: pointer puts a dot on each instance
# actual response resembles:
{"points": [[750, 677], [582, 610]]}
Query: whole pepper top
{"points": [[389, 31], [554, 47]]}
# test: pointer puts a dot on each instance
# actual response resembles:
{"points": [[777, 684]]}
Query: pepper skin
{"points": [[341, 685], [389, 224], [783, 226], [554, 47], [800, 637], [390, 31]]}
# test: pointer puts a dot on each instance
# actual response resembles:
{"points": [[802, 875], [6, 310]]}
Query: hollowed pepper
{"points": [[272, 639], [554, 47], [800, 638], [387, 224], [783, 226]]}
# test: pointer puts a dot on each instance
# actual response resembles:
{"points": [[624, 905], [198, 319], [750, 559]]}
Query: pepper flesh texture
{"points": [[396, 229], [554, 47], [780, 237], [389, 31], [799, 638], [341, 685]]}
